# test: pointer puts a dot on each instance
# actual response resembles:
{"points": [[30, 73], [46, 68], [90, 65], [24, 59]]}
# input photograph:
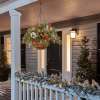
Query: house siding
{"points": [[31, 59], [90, 31]]}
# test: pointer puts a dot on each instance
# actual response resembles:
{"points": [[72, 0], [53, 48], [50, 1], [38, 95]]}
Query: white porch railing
{"points": [[30, 90]]}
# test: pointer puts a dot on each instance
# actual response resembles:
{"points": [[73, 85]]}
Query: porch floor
{"points": [[5, 90]]}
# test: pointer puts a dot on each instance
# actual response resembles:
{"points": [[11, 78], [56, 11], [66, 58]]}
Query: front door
{"points": [[54, 58]]}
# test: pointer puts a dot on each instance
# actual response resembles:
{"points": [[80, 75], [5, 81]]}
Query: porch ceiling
{"points": [[2, 1], [54, 11]]}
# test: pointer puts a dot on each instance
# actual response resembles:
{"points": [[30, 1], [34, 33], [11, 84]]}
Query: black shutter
{"points": [[98, 51], [23, 54], [2, 40], [54, 58]]}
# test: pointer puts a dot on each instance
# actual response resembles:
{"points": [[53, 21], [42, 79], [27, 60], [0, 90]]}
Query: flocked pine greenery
{"points": [[86, 70]]}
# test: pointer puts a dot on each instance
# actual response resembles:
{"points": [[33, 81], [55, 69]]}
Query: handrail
{"points": [[70, 91]]}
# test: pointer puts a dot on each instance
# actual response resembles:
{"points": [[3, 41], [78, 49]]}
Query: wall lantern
{"points": [[73, 33]]}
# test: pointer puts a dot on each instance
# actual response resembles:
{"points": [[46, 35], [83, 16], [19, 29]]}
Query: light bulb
{"points": [[73, 33]]}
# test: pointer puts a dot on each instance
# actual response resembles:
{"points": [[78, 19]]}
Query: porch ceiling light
{"points": [[73, 33]]}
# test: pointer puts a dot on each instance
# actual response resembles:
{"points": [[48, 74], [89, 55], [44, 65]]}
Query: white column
{"points": [[66, 56], [15, 49], [42, 61]]}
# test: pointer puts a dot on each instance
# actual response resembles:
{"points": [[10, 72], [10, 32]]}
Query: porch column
{"points": [[66, 56], [15, 50], [42, 61]]}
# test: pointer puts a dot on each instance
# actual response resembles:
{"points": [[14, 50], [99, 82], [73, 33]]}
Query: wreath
{"points": [[41, 36]]}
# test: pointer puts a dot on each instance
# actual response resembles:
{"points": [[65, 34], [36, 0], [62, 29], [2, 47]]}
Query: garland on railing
{"points": [[82, 90]]}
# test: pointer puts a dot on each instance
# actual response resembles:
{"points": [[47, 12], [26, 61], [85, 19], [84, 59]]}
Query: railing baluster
{"points": [[17, 90], [71, 97], [57, 98], [20, 90], [40, 95], [63, 96], [36, 93], [24, 92], [31, 92], [79, 98], [45, 94], [27, 91], [50, 94]]}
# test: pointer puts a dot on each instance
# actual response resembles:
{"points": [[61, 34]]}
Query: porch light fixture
{"points": [[73, 33]]}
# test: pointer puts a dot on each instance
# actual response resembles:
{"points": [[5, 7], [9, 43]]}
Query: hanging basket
{"points": [[41, 36]]}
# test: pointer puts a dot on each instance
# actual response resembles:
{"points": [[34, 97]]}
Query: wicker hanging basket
{"points": [[39, 45]]}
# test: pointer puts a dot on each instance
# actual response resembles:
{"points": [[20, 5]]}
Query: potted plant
{"points": [[41, 36], [86, 70]]}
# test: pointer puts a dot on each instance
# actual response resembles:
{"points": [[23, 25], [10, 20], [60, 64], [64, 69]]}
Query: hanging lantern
{"points": [[73, 33]]}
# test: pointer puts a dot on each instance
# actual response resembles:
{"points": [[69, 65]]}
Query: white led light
{"points": [[73, 34]]}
